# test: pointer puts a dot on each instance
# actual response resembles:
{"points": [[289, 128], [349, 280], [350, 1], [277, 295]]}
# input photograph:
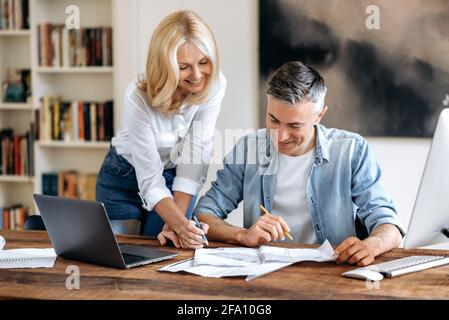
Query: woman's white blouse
{"points": [[152, 141]]}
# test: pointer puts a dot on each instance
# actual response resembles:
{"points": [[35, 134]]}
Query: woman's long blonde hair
{"points": [[161, 78]]}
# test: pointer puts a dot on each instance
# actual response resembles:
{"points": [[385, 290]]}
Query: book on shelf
{"points": [[75, 121], [61, 47], [13, 217], [14, 15], [16, 153], [69, 184]]}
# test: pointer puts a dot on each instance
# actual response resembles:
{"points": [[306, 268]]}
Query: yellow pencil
{"points": [[268, 214]]}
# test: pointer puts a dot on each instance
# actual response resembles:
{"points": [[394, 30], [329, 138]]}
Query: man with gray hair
{"points": [[318, 183]]}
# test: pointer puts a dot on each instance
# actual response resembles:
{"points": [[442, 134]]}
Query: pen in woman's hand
{"points": [[199, 226]]}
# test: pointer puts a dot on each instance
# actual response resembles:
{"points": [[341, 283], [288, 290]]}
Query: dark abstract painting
{"points": [[388, 81]]}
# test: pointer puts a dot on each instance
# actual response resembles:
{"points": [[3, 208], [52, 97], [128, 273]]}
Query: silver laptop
{"points": [[80, 230]]}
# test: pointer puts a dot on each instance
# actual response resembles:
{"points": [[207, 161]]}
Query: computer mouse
{"points": [[363, 274]]}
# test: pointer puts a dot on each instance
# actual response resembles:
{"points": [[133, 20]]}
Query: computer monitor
{"points": [[429, 223]]}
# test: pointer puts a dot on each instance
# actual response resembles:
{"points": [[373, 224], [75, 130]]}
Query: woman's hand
{"points": [[190, 236], [178, 228], [169, 234]]}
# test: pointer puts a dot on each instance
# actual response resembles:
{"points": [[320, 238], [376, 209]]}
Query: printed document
{"points": [[252, 263]]}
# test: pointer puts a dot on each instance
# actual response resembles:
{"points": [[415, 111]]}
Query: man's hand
{"points": [[266, 229], [354, 250], [383, 239]]}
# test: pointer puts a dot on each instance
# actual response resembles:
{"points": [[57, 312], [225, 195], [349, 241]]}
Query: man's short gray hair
{"points": [[294, 81]]}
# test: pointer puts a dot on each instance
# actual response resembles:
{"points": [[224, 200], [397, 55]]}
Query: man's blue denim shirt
{"points": [[344, 183]]}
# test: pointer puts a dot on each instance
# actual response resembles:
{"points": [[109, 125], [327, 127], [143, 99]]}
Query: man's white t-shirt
{"points": [[290, 199]]}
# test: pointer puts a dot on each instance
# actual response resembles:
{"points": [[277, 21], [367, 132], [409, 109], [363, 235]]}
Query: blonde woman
{"points": [[158, 159]]}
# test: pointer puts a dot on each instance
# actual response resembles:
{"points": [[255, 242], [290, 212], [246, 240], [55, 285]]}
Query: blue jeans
{"points": [[117, 189]]}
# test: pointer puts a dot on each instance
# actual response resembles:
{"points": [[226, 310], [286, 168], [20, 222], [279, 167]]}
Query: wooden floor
{"points": [[305, 280]]}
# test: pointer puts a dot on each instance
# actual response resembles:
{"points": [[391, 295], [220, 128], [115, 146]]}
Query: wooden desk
{"points": [[307, 280]]}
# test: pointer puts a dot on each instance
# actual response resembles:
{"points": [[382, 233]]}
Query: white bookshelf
{"points": [[16, 106], [78, 70], [72, 83], [14, 33], [19, 48], [71, 145], [16, 179], [15, 53]]}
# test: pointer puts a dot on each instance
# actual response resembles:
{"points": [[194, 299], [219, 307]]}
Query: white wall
{"points": [[235, 24], [402, 161]]}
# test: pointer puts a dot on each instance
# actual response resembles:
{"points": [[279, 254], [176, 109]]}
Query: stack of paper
{"points": [[252, 263], [26, 258]]}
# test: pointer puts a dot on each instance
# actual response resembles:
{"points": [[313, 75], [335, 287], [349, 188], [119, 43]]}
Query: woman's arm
{"points": [[149, 169], [181, 205], [189, 235], [182, 201], [170, 213]]}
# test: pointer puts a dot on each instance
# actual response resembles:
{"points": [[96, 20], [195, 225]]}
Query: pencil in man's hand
{"points": [[268, 214]]}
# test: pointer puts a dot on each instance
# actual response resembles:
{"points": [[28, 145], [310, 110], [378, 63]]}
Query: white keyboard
{"points": [[409, 264]]}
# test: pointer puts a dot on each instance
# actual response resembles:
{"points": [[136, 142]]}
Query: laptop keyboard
{"points": [[132, 258]]}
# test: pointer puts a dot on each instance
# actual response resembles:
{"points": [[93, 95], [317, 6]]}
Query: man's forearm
{"points": [[384, 238], [220, 230]]}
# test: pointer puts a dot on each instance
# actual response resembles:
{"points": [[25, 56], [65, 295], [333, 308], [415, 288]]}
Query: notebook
{"points": [[26, 258]]}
